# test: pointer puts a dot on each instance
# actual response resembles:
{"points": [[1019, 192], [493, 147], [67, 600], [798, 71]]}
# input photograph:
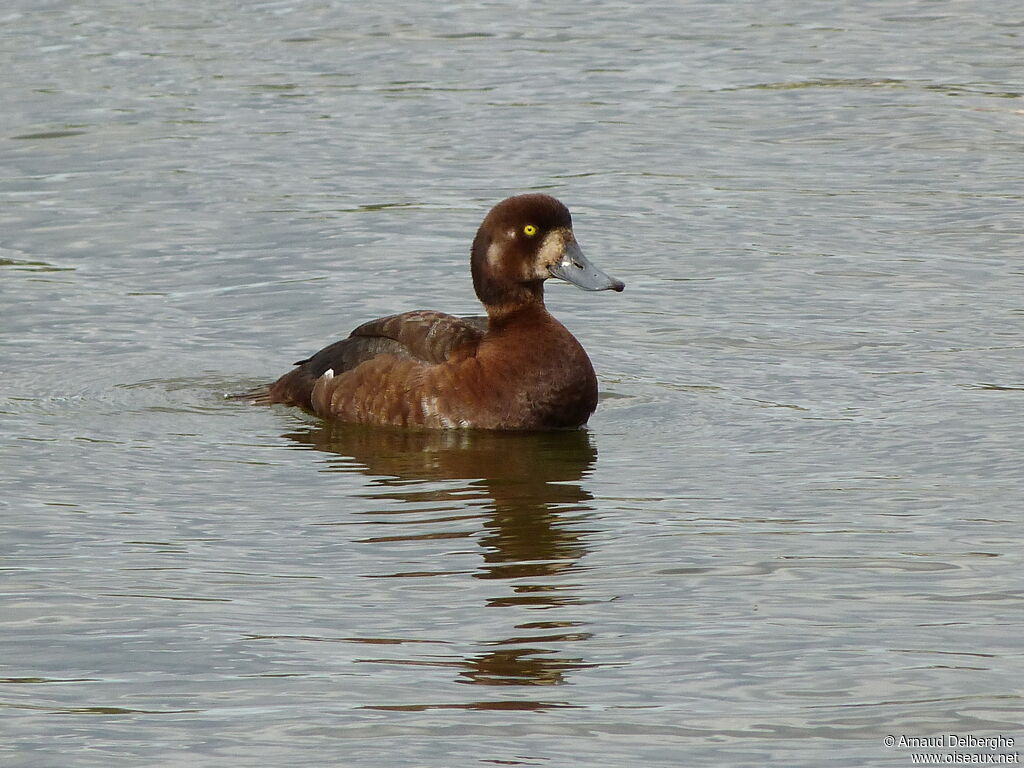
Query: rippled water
{"points": [[793, 526]]}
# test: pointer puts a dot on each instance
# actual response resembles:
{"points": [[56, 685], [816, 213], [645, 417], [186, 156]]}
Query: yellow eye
{"points": [[529, 230]]}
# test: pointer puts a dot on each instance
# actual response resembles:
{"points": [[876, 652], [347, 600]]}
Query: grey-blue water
{"points": [[793, 526]]}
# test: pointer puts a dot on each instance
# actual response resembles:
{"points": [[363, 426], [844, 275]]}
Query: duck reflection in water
{"points": [[527, 485]]}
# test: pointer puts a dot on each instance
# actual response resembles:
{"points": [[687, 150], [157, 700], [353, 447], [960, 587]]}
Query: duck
{"points": [[515, 369]]}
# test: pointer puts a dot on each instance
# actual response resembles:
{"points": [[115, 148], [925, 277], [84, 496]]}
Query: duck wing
{"points": [[422, 335]]}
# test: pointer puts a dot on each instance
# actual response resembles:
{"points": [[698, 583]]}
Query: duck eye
{"points": [[529, 230]]}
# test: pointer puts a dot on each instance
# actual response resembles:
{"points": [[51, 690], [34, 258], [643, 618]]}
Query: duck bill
{"points": [[576, 268]]}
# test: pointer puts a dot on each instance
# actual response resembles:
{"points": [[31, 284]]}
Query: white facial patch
{"points": [[494, 255], [551, 251]]}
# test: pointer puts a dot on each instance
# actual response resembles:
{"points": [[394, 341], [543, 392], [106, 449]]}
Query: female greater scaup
{"points": [[518, 368]]}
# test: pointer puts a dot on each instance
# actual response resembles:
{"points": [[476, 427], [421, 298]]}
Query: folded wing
{"points": [[423, 335]]}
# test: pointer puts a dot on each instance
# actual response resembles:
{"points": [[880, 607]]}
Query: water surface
{"points": [[793, 525]]}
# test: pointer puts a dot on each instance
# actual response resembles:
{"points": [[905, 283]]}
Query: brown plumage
{"points": [[518, 368]]}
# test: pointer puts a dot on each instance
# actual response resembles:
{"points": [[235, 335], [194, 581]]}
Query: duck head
{"points": [[522, 242]]}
